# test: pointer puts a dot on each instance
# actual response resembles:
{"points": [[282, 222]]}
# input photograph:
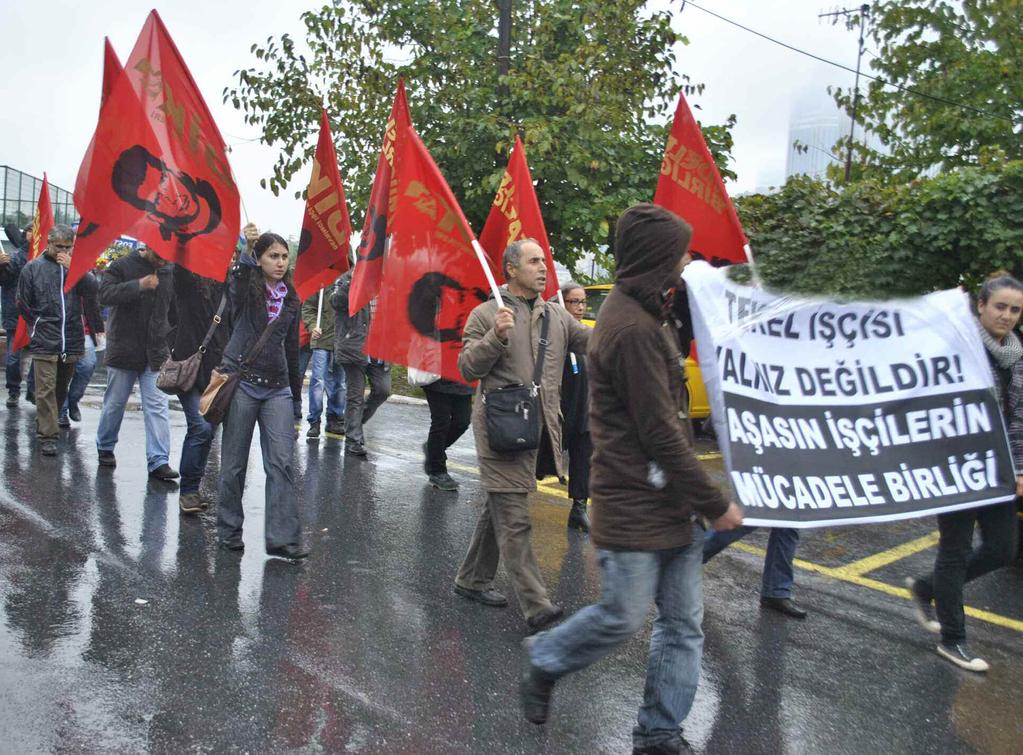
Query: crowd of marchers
{"points": [[611, 415]]}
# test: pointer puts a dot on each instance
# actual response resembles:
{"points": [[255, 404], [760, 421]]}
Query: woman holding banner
{"points": [[999, 306]]}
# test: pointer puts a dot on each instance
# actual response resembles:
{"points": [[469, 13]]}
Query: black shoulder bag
{"points": [[513, 412], [179, 377]]}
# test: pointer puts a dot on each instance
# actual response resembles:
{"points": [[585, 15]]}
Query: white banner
{"points": [[834, 412]]}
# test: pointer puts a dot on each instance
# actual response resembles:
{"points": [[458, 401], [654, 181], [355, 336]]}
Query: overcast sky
{"points": [[51, 58]]}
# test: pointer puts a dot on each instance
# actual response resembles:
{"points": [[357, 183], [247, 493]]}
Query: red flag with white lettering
{"points": [[372, 244], [691, 187], [42, 222], [515, 215], [168, 172], [326, 227], [432, 278]]}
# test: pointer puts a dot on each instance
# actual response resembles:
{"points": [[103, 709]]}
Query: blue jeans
{"points": [[632, 580], [12, 367], [195, 450], [84, 368], [327, 375], [155, 413], [777, 578], [277, 442]]}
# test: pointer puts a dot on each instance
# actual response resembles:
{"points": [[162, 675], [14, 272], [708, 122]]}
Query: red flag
{"points": [[42, 222], [691, 187], [366, 278], [432, 278], [326, 228], [515, 215], [163, 174]]}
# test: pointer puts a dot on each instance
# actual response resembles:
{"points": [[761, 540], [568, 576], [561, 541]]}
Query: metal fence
{"points": [[19, 194]]}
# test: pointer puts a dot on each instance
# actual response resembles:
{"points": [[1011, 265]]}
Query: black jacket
{"points": [[575, 402], [54, 319], [196, 301], [138, 327], [349, 332], [9, 275], [276, 366]]}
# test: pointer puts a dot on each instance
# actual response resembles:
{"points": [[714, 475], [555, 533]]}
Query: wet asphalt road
{"points": [[364, 648]]}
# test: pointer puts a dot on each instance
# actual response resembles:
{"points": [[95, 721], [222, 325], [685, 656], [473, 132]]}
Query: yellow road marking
{"points": [[890, 556], [873, 584], [850, 573]]}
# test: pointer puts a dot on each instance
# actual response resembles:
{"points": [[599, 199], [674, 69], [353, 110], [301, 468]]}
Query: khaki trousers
{"points": [[52, 377], [503, 531]]}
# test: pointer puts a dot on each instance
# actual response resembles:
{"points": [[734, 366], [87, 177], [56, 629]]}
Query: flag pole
{"points": [[482, 257], [319, 310]]}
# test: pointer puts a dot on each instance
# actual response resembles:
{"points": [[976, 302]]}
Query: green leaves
{"points": [[876, 240], [590, 89]]}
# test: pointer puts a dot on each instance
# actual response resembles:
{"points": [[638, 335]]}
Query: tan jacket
{"points": [[495, 364]]}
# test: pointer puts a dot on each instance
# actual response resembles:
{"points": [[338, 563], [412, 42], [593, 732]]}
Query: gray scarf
{"points": [[1005, 354]]}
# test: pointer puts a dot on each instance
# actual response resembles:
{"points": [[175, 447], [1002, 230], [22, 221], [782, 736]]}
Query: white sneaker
{"points": [[922, 608], [960, 656]]}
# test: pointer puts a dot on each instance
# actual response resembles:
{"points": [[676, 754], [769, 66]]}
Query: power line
{"points": [[883, 82]]}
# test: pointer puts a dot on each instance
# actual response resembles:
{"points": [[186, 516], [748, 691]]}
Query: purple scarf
{"points": [[275, 300]]}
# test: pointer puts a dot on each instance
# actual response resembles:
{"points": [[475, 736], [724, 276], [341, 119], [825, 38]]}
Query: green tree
{"points": [[957, 53], [875, 239], [591, 88]]}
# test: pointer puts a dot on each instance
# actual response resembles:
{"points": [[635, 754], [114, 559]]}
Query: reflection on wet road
{"points": [[125, 629]]}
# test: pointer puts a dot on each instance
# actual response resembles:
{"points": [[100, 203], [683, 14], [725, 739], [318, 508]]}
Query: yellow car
{"points": [[699, 406]]}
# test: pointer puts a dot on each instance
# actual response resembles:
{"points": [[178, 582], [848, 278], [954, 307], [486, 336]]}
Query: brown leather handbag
{"points": [[216, 399], [179, 376]]}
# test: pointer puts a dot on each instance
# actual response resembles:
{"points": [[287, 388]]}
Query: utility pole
{"points": [[863, 11], [504, 23]]}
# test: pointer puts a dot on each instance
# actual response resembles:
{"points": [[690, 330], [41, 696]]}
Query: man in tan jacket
{"points": [[499, 348]]}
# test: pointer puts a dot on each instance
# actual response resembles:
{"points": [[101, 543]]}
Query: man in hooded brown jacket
{"points": [[647, 488], [500, 346]]}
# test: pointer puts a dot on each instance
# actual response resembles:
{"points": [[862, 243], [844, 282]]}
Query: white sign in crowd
{"points": [[833, 413]]}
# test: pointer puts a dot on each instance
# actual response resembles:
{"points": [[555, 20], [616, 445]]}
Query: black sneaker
{"points": [[107, 459], [48, 448], [444, 481], [164, 472], [923, 609], [12, 400], [313, 433], [74, 413], [335, 427], [354, 449], [961, 656]]}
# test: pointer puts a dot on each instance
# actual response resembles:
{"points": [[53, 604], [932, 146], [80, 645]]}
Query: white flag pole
{"points": [[319, 310], [482, 257]]}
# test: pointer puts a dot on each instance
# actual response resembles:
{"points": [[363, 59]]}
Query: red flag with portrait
{"points": [[372, 244], [326, 227], [691, 187], [159, 169], [432, 278], [42, 222], [515, 215]]}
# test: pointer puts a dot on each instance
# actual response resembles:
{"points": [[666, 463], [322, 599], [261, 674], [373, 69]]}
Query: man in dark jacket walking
{"points": [[648, 488], [55, 327], [138, 290], [10, 270], [349, 340]]}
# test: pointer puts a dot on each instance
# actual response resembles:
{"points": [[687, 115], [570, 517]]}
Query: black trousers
{"points": [[450, 415], [958, 562], [580, 449]]}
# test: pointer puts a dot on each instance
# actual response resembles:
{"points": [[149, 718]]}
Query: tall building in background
{"points": [[816, 125], [19, 194]]}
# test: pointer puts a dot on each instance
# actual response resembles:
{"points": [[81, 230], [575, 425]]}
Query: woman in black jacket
{"points": [[261, 298]]}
